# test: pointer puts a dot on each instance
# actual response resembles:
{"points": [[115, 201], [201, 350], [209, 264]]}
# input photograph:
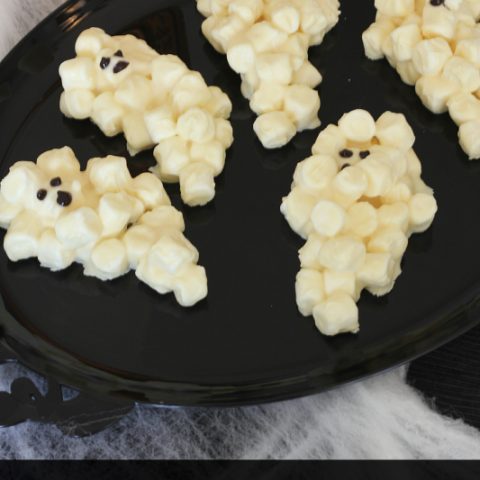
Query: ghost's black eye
{"points": [[437, 3], [364, 154], [122, 65], [56, 182], [64, 199], [104, 63], [118, 53], [346, 153], [42, 194]]}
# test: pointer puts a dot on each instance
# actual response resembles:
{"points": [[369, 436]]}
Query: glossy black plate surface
{"points": [[247, 343]]}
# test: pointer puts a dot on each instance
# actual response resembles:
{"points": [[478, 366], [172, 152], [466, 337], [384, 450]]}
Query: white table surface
{"points": [[381, 417]]}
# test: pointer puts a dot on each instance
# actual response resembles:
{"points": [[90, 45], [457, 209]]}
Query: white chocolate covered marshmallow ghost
{"points": [[266, 42], [355, 201], [101, 218], [124, 86], [435, 46]]}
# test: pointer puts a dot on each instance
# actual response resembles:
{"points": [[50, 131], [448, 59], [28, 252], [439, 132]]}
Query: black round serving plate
{"points": [[246, 343]]}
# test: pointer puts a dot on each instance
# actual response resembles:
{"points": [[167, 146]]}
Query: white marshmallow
{"points": [[307, 75], [309, 290], [463, 107], [190, 287], [328, 218], [394, 215], [269, 97], [374, 38], [423, 208], [429, 56], [404, 40], [109, 260], [108, 114], [392, 129], [315, 173], [91, 41], [362, 219], [79, 228], [138, 240], [438, 22], [310, 252], [196, 125], [343, 254], [335, 282], [395, 8], [115, 211], [461, 71], [211, 153], [241, 54], [302, 105], [167, 70], [163, 218], [265, 37], [172, 252], [379, 174], [22, 238], [224, 132], [377, 270], [408, 73], [61, 161], [135, 92], [337, 314], [78, 73], [469, 49], [350, 184], [297, 208], [8, 212], [52, 254], [172, 155], [189, 92], [330, 141], [435, 92], [469, 138], [274, 129], [160, 124], [357, 126], [77, 103], [219, 104], [136, 133], [284, 15], [388, 240], [197, 184], [274, 68], [109, 174]]}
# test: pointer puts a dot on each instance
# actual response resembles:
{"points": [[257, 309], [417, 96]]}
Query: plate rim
{"points": [[49, 360]]}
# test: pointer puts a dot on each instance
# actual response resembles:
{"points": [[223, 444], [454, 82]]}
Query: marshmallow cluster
{"points": [[435, 46], [101, 218], [267, 42], [356, 201], [123, 85]]}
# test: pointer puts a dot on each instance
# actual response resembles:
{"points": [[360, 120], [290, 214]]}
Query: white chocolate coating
{"points": [[124, 86], [267, 42], [101, 218], [435, 46], [356, 202]]}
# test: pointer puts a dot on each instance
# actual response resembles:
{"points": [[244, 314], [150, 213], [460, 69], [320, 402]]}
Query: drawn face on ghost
{"points": [[49, 187]]}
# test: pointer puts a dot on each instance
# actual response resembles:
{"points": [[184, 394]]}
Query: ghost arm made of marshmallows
{"points": [[101, 218]]}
